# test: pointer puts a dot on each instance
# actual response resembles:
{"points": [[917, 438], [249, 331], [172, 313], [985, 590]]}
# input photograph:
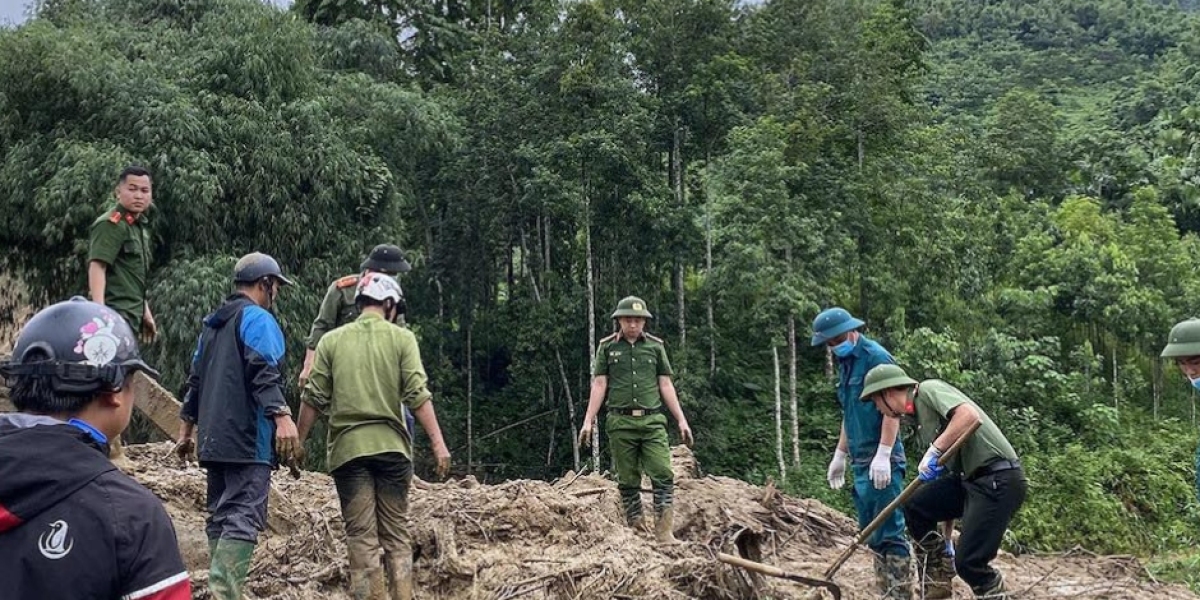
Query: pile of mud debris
{"points": [[566, 539]]}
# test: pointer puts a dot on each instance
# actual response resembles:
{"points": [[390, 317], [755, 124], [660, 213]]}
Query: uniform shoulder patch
{"points": [[347, 281], [115, 217], [654, 338], [609, 338]]}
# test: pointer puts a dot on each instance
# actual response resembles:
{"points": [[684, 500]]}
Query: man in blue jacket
{"points": [[870, 441], [235, 403]]}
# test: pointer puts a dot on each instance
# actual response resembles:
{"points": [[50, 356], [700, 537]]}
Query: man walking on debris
{"points": [[1183, 345], [119, 260], [365, 372], [71, 524], [983, 484], [339, 306], [235, 399], [870, 442], [632, 372]]}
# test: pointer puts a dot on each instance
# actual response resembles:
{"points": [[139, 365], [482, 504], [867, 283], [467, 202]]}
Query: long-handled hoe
{"points": [[826, 581]]}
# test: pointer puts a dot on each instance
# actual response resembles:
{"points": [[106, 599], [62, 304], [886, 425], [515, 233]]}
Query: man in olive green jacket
{"points": [[364, 373]]}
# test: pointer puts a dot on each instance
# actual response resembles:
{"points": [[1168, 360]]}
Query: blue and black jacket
{"points": [[235, 387]]}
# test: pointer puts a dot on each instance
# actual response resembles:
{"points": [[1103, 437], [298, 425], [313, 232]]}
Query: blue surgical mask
{"points": [[844, 349], [1196, 383]]}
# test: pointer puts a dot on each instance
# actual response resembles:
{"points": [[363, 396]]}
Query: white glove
{"points": [[837, 470], [881, 467]]}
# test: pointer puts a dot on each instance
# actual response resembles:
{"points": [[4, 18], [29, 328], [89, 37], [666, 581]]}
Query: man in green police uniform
{"points": [[1183, 345], [983, 485], [632, 372], [338, 307], [119, 253], [119, 262], [364, 374]]}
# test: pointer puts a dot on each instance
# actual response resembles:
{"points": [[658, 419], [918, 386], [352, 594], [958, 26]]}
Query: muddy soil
{"points": [[566, 539]]}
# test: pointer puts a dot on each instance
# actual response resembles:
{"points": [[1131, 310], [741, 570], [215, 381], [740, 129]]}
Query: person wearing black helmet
{"points": [[235, 400], [71, 524], [339, 307]]}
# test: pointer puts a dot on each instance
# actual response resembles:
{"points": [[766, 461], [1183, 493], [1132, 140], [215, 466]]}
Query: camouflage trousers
{"points": [[639, 445]]}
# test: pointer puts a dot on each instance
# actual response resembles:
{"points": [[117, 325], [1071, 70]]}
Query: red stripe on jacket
{"points": [[8, 520]]}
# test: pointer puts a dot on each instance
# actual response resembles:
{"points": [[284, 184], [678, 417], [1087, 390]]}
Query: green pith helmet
{"points": [[884, 377], [632, 306], [1184, 339]]}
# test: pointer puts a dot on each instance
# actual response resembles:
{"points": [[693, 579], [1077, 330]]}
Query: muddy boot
{"points": [[893, 576], [400, 579], [995, 591], [935, 571], [367, 584], [664, 525], [631, 501], [228, 569], [639, 524]]}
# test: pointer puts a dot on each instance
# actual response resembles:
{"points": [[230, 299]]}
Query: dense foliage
{"points": [[1005, 191]]}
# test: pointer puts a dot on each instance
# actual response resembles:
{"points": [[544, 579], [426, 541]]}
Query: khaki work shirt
{"points": [[362, 375]]}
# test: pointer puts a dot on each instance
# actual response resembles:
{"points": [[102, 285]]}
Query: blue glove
{"points": [[929, 468]]}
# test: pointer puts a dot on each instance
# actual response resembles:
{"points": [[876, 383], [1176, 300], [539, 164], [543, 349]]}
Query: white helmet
{"points": [[379, 287]]}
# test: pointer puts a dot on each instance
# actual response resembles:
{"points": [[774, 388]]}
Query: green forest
{"points": [[1006, 191]]}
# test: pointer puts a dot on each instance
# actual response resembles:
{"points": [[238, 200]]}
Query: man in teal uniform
{"points": [[632, 373], [983, 484], [869, 440], [364, 374]]}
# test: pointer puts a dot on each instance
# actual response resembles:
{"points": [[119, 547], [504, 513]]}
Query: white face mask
{"points": [[844, 349]]}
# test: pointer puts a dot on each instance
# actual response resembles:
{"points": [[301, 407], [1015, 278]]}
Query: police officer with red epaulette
{"points": [[118, 261], [338, 307]]}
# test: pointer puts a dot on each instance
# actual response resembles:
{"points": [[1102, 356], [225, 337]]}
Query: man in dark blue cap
{"points": [[870, 441], [235, 399]]}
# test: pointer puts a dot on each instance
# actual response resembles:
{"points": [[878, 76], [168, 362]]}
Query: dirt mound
{"points": [[566, 539]]}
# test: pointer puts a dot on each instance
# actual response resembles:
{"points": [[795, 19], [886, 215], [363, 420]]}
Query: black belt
{"points": [[636, 412], [995, 467]]}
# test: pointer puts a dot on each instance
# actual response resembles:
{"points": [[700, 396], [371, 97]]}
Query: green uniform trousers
{"points": [[639, 445]]}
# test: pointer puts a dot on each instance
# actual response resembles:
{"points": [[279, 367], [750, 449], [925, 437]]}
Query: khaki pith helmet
{"points": [[632, 306], [884, 377], [1184, 339]]}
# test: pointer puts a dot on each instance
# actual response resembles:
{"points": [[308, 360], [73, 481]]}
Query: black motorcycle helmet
{"points": [[79, 346]]}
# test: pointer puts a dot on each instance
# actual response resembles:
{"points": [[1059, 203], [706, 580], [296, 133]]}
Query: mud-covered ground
{"points": [[566, 539]]}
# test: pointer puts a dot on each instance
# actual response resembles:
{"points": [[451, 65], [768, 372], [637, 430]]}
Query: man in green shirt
{"points": [[632, 372], [1183, 345], [119, 262], [983, 484], [119, 253], [363, 374], [339, 307]]}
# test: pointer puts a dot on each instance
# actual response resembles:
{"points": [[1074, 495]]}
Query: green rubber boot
{"points": [[230, 564]]}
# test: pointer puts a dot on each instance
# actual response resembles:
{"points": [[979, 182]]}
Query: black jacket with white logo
{"points": [[73, 526]]}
